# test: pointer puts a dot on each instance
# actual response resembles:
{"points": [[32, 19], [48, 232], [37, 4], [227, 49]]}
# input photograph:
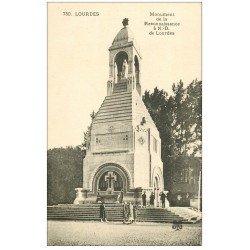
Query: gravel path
{"points": [[115, 233]]}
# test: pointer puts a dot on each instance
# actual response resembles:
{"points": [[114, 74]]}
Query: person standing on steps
{"points": [[131, 213], [152, 199], [163, 198], [144, 197], [125, 212], [135, 212], [103, 212]]}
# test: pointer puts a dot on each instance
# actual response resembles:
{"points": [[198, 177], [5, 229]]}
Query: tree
{"points": [[64, 166], [178, 118], [65, 170], [194, 95]]}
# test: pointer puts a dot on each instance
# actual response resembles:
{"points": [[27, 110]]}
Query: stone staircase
{"points": [[191, 215], [117, 107], [84, 212], [120, 87], [157, 215], [114, 213]]}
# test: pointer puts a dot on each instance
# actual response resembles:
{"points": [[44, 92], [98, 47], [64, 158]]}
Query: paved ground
{"points": [[115, 233]]}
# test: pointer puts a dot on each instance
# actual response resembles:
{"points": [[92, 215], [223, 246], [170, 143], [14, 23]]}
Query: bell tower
{"points": [[124, 62], [123, 151]]}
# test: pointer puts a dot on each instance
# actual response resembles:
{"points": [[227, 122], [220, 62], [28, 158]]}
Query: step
{"points": [[117, 118], [116, 105], [115, 101], [113, 112], [114, 109], [87, 205], [118, 95], [119, 90], [86, 213], [114, 213], [82, 216], [111, 120], [120, 87]]}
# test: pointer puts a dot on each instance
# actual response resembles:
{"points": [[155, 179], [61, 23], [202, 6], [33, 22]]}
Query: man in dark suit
{"points": [[163, 198], [152, 199], [144, 199], [103, 212]]}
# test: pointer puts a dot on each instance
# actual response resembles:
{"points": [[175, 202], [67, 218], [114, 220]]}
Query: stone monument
{"points": [[124, 149]]}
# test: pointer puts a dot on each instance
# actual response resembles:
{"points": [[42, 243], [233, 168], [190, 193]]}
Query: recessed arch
{"points": [[136, 64], [157, 172], [120, 58], [122, 172]]}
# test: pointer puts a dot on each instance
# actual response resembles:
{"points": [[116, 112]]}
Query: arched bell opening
{"points": [[137, 70], [121, 66]]}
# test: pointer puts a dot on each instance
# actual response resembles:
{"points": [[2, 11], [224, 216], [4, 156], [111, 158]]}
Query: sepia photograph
{"points": [[124, 153], [109, 139]]}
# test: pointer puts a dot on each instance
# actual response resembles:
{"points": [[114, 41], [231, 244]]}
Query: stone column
{"points": [[129, 83], [130, 67]]}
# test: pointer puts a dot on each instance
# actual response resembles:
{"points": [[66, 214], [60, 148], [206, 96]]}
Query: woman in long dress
{"points": [[125, 212], [131, 213]]}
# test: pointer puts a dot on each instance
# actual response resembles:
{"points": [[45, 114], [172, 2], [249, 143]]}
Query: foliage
{"points": [[178, 117], [64, 166], [65, 170]]}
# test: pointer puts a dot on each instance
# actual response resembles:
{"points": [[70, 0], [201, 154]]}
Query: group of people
{"points": [[130, 210], [152, 199], [129, 213]]}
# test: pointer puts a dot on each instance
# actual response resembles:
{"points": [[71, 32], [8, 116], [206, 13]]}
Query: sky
{"points": [[78, 57]]}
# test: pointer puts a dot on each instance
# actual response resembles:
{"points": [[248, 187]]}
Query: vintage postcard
{"points": [[124, 124]]}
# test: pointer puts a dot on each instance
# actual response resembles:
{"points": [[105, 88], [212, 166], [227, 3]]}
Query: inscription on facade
{"points": [[112, 141]]}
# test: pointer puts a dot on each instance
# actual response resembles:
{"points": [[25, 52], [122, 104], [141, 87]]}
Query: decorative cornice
{"points": [[111, 152]]}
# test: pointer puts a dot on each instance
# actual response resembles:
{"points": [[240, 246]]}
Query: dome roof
{"points": [[124, 36]]}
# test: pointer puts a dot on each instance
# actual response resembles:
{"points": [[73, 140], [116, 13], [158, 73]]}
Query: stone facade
{"points": [[124, 149]]}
